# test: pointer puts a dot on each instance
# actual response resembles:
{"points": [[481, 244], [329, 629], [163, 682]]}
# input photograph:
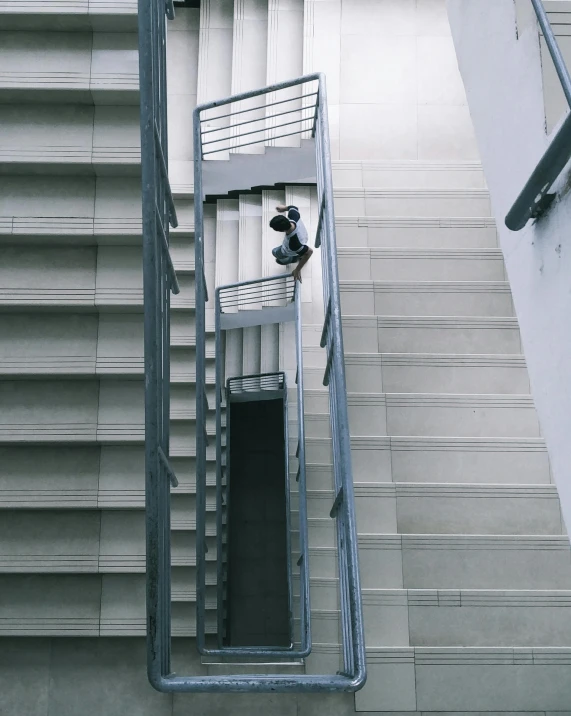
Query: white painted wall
{"points": [[502, 73]]}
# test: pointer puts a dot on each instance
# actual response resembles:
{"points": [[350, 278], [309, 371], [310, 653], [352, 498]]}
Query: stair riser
{"points": [[372, 378], [412, 205], [441, 515], [436, 268], [422, 237], [429, 303], [503, 465], [468, 419], [407, 177], [437, 339]]}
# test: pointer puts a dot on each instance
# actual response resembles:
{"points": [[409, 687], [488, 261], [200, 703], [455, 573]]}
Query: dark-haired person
{"points": [[294, 248]]}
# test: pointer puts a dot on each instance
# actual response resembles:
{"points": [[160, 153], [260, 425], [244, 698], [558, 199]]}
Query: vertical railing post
{"points": [[305, 605], [200, 328], [220, 389]]}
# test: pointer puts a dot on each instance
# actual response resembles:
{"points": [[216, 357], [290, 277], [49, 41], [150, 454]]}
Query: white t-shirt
{"points": [[294, 243]]}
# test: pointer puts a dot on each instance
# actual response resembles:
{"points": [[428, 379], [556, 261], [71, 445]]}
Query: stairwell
{"points": [[465, 560]]}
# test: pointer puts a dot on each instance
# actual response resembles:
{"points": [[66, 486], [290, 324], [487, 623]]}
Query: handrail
{"points": [[353, 674], [535, 198], [159, 279], [288, 292]]}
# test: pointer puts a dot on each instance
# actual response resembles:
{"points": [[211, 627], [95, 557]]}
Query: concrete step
{"points": [[94, 475], [286, 25], [79, 410], [52, 497], [102, 605], [66, 541], [412, 202], [483, 509], [80, 67], [423, 414], [249, 57], [408, 264], [435, 459], [408, 175], [427, 334], [467, 618], [103, 210], [422, 232], [74, 140], [442, 680], [426, 298], [67, 15], [215, 51], [421, 373], [456, 562]]}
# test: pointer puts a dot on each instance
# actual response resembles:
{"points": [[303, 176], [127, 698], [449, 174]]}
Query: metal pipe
{"points": [[341, 396], [554, 49], [258, 119], [258, 141], [257, 93], [257, 131], [534, 197], [200, 322]]}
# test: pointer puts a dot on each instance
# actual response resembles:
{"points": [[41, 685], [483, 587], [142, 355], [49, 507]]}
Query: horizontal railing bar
{"points": [[251, 290], [261, 119], [257, 131], [237, 297], [252, 300], [277, 376], [258, 141], [165, 171], [168, 468], [205, 108], [266, 279], [165, 246]]}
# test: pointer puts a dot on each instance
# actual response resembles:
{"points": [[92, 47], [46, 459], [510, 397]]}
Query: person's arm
{"points": [[296, 273]]}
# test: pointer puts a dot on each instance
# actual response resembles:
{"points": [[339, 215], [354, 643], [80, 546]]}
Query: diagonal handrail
{"points": [[535, 198]]}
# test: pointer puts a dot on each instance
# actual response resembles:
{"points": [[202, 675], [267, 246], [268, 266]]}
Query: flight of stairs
{"points": [[465, 562]]}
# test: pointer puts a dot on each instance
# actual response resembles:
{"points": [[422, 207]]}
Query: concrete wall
{"points": [[500, 63]]}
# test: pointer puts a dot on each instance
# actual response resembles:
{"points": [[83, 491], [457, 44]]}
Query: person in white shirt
{"points": [[294, 248]]}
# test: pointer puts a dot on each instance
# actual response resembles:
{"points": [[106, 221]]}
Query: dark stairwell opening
{"points": [[258, 610]]}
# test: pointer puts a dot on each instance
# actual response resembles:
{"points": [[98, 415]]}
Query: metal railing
{"points": [[159, 279], [313, 121], [535, 198], [285, 292]]}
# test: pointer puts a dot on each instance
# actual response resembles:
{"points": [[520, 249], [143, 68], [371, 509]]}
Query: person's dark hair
{"points": [[280, 223]]}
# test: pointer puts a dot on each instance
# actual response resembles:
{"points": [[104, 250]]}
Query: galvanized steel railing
{"points": [[312, 120], [159, 279], [535, 198], [283, 295]]}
